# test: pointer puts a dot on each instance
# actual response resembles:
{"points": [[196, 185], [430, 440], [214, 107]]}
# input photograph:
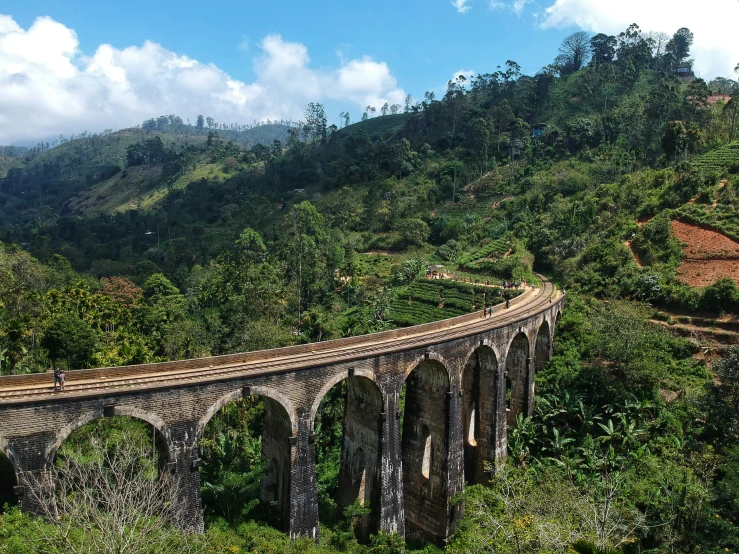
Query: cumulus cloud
{"points": [[48, 86], [463, 6], [713, 23]]}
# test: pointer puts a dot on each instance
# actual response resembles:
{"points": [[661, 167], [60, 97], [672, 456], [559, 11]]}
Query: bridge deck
{"points": [[37, 387]]}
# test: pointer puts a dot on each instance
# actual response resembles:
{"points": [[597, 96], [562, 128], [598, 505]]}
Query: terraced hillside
{"points": [[719, 159], [428, 300]]}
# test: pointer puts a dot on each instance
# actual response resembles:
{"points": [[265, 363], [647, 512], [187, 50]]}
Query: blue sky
{"points": [[73, 65], [422, 41]]}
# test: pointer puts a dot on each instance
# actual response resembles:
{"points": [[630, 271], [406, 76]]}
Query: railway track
{"points": [[99, 382]]}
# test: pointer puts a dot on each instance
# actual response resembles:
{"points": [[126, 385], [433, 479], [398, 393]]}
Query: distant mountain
{"points": [[248, 135], [89, 173]]}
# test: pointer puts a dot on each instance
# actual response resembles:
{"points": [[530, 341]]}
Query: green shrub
{"points": [[722, 296]]}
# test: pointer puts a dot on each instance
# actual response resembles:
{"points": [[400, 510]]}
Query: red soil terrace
{"points": [[708, 255]]}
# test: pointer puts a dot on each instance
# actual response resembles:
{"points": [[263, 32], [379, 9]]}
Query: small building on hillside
{"points": [[538, 130], [683, 72], [515, 148], [436, 272]]}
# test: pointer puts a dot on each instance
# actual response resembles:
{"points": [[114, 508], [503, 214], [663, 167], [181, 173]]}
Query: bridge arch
{"points": [[428, 357], [276, 424], [543, 345], [353, 400], [157, 424], [518, 376], [479, 410], [425, 448], [238, 393], [335, 380]]}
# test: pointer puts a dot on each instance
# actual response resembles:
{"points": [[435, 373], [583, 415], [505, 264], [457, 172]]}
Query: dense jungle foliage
{"points": [[158, 243]]}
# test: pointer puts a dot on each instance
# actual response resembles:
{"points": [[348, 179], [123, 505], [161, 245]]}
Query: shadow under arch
{"points": [[355, 401], [276, 424], [543, 345], [9, 471], [479, 413], [160, 430], [519, 380], [425, 447]]}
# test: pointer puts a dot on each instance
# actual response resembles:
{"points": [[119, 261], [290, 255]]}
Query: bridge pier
{"points": [[183, 464], [29, 459], [392, 512], [303, 497], [455, 459]]}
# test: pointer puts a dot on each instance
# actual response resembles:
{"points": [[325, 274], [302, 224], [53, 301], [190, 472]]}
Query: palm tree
{"points": [[16, 332]]}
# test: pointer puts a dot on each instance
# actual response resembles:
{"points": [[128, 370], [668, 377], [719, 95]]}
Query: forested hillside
{"points": [[608, 171]]}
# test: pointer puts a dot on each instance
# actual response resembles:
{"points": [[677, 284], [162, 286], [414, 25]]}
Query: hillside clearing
{"points": [[708, 255]]}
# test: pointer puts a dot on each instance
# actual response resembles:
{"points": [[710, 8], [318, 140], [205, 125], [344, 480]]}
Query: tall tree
{"points": [[408, 103], [574, 52], [501, 117], [603, 48], [201, 122], [679, 45], [316, 122]]}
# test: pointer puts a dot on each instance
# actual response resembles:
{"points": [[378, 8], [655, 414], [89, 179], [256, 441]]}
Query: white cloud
{"points": [[467, 73], [713, 23], [461, 5], [48, 86], [519, 5], [515, 6]]}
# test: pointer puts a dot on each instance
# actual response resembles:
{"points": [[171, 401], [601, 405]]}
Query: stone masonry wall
{"points": [[405, 496]]}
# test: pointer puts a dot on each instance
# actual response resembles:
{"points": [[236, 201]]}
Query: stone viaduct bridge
{"points": [[464, 379]]}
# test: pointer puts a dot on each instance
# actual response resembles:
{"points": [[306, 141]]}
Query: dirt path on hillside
{"points": [[637, 259]]}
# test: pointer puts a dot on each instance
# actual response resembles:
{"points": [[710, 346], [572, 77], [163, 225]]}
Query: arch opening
{"points": [[246, 461], [543, 349], [479, 390], [347, 447], [8, 480], [101, 467], [424, 444], [517, 367], [110, 436]]}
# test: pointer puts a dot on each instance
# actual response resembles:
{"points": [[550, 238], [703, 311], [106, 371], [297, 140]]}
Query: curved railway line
{"points": [[97, 382]]}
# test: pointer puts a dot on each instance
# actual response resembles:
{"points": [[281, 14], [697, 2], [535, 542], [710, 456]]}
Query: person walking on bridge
{"points": [[61, 380], [56, 379], [507, 303]]}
